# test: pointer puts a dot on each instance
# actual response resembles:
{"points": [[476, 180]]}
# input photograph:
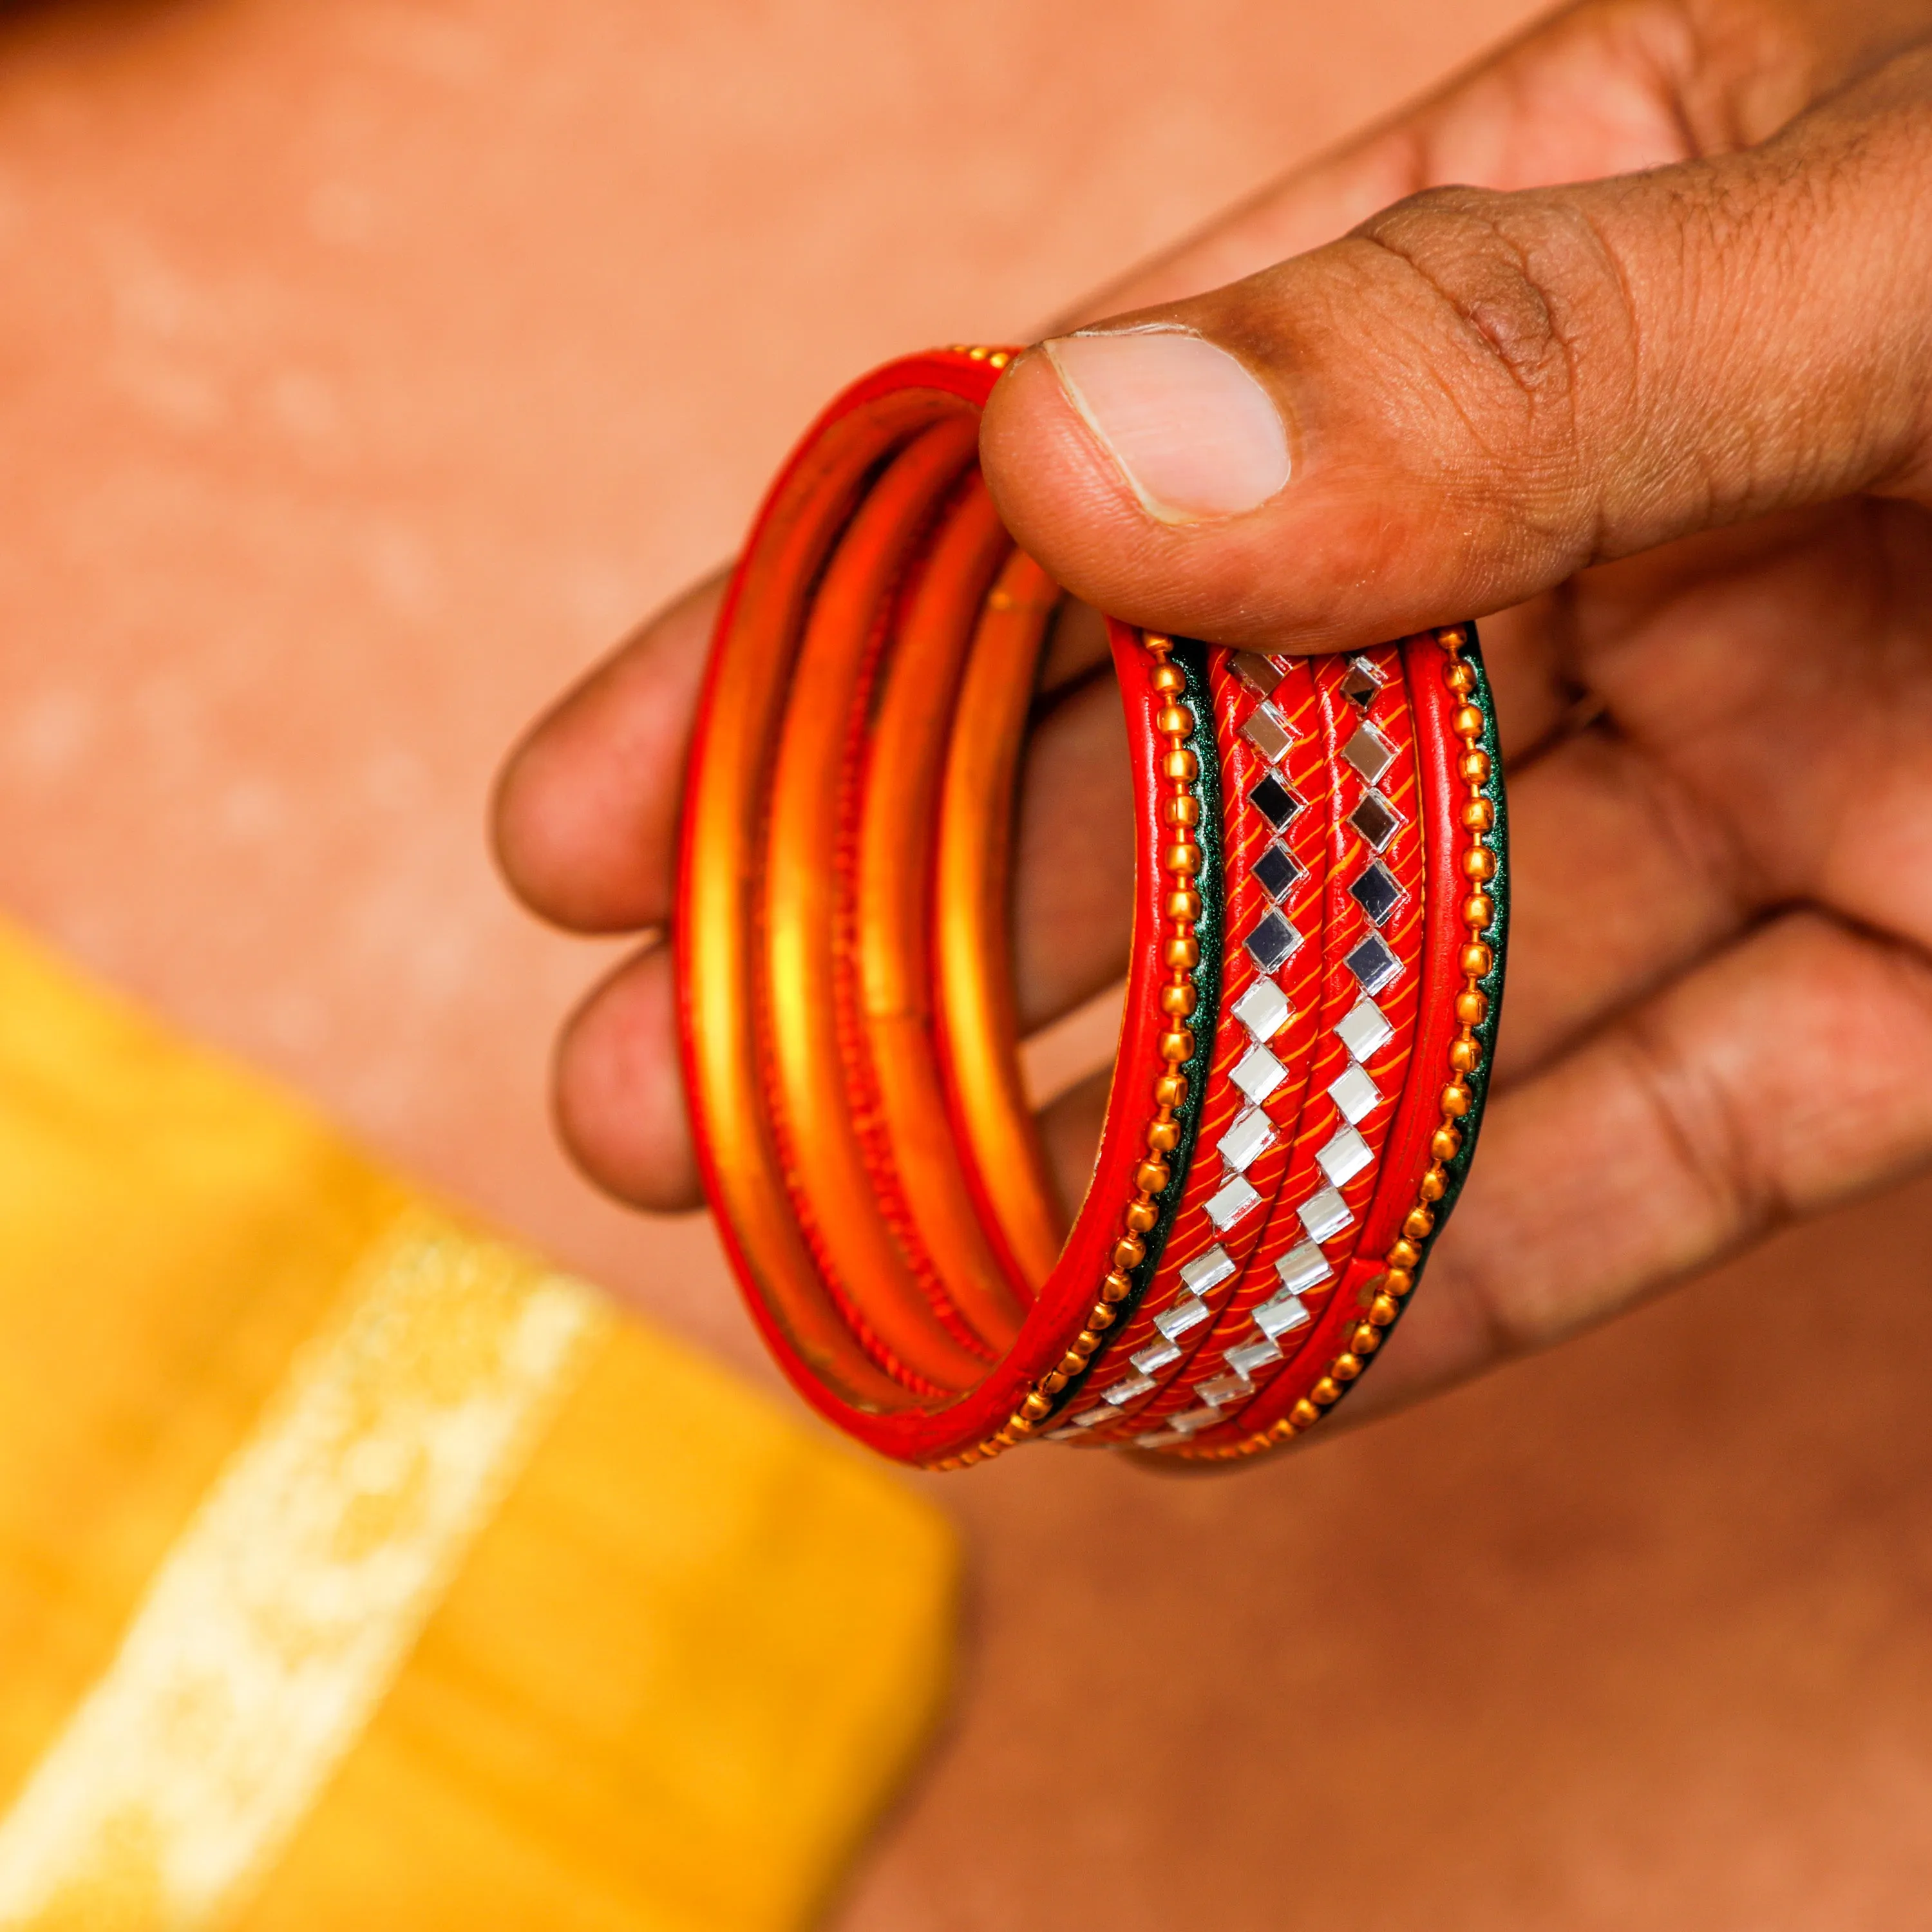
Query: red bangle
{"points": [[1316, 970]]}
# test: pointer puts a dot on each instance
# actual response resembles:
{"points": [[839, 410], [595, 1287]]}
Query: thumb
{"points": [[1476, 394]]}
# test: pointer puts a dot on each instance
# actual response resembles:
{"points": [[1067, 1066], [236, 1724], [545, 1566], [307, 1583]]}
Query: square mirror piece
{"points": [[1325, 1215], [1281, 1316], [1091, 1418], [1360, 684], [1304, 1267], [1156, 1355], [1188, 1312], [1235, 1201], [1275, 802], [1263, 1009], [1252, 1135], [1271, 942], [1208, 1271], [1364, 1029], [1224, 1389], [1355, 1094], [1372, 964], [1276, 871], [1255, 671], [1376, 820], [1249, 1356], [1345, 1157], [1377, 893], [1370, 752], [1258, 1073], [1265, 731]]}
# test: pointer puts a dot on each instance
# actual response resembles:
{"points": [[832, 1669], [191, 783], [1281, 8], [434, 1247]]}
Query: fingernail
{"points": [[1192, 431]]}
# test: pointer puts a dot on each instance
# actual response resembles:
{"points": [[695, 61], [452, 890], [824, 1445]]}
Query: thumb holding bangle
{"points": [[1476, 394]]}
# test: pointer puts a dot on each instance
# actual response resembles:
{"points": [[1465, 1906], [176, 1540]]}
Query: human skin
{"points": [[1668, 430]]}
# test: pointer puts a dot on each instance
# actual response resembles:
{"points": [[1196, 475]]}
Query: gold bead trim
{"points": [[1180, 952], [993, 358], [1466, 1055]]}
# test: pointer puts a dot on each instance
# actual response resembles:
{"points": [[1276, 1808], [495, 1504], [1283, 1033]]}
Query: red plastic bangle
{"points": [[1316, 968]]}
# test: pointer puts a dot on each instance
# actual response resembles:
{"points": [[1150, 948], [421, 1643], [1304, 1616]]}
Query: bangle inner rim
{"points": [[890, 1192]]}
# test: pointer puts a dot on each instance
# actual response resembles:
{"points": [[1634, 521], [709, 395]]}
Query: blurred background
{"points": [[366, 371]]}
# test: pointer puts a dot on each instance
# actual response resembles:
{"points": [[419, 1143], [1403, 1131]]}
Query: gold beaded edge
{"points": [[1181, 953], [1448, 1152], [1479, 867]]}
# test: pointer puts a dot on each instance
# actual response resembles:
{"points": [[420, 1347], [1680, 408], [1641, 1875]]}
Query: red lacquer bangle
{"points": [[1316, 968]]}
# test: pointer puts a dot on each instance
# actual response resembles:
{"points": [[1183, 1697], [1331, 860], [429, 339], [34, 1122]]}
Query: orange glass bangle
{"points": [[1314, 982]]}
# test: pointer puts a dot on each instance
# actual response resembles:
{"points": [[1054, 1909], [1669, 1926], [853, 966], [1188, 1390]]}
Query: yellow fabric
{"points": [[665, 1653]]}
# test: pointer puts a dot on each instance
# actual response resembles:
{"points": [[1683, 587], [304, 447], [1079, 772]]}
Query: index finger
{"points": [[585, 817]]}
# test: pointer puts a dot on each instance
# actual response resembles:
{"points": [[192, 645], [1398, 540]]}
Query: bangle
{"points": [[1314, 983]]}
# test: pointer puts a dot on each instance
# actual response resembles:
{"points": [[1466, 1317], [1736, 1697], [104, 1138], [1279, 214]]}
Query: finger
{"points": [[585, 818], [1598, 90], [1478, 393], [1538, 699], [1076, 647], [1780, 674], [1793, 1072], [1069, 1132], [1611, 88], [1073, 881], [1608, 87], [618, 1090], [1618, 883], [618, 1096]]}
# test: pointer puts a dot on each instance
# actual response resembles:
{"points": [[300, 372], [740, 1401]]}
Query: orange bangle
{"points": [[1316, 975]]}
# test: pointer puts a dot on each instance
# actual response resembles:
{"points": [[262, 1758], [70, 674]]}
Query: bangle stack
{"points": [[1311, 1007]]}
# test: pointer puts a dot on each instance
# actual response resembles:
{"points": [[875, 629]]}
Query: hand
{"points": [[1675, 428]]}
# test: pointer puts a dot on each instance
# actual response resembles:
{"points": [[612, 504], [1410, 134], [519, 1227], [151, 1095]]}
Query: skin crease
{"points": [[1668, 437]]}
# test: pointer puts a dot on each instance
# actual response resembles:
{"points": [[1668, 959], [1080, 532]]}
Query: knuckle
{"points": [[1526, 288], [1525, 276]]}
